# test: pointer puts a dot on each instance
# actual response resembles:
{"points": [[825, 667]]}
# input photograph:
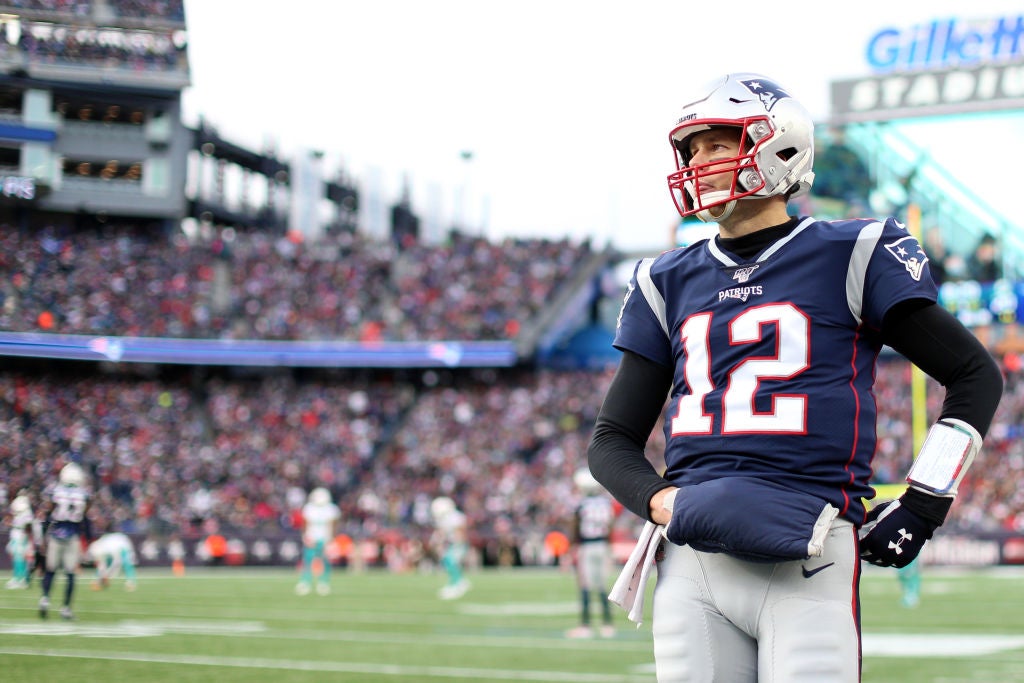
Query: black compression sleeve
{"points": [[630, 410], [935, 341]]}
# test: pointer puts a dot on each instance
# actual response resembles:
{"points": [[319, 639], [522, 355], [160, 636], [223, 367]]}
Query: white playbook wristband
{"points": [[669, 501], [947, 453]]}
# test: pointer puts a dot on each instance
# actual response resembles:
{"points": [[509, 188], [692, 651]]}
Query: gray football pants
{"points": [[718, 619], [594, 566], [63, 553]]}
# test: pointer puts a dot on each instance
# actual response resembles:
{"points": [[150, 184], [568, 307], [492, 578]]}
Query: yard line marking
{"points": [[938, 644], [136, 628], [874, 644], [520, 608], [410, 672]]}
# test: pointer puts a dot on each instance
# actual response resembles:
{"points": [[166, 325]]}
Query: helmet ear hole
{"points": [[786, 154]]}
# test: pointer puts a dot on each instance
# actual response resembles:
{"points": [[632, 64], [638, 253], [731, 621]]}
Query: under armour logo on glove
{"points": [[896, 546], [893, 535]]}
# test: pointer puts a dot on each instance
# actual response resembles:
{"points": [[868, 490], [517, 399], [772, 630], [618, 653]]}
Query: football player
{"points": [[67, 526], [319, 515], [113, 553], [452, 542], [19, 543], [591, 537], [764, 339]]}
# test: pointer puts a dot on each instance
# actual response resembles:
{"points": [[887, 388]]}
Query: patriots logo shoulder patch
{"points": [[907, 251], [768, 92]]}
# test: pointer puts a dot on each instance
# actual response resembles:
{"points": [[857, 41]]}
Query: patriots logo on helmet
{"points": [[769, 93], [907, 251]]}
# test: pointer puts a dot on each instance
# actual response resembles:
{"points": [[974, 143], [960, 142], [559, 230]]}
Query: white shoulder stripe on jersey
{"points": [[785, 240], [719, 254], [651, 294], [856, 273]]}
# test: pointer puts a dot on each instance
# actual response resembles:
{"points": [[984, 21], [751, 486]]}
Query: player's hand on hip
{"points": [[893, 535]]}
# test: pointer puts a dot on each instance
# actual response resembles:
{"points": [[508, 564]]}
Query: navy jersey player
{"points": [[66, 528], [591, 535], [763, 339]]}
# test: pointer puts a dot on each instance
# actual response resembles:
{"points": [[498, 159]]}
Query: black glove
{"points": [[896, 531]]}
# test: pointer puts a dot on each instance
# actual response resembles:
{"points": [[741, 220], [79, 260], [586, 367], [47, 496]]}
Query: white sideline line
{"points": [[412, 672]]}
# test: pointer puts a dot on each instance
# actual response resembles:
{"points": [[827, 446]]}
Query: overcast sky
{"points": [[566, 105]]}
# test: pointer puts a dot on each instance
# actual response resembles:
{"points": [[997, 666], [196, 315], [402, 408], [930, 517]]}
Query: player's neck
{"points": [[752, 215]]}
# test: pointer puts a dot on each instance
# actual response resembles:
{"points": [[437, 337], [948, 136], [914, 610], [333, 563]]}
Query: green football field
{"points": [[227, 625]]}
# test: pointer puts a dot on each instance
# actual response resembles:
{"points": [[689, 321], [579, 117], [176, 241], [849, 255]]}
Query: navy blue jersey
{"points": [[773, 358], [594, 518], [67, 518]]}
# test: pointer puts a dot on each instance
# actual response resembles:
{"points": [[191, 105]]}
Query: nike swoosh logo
{"points": [[808, 573]]}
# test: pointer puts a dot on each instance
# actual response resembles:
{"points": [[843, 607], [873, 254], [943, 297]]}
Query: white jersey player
{"points": [[19, 543], [113, 553], [451, 541], [319, 517]]}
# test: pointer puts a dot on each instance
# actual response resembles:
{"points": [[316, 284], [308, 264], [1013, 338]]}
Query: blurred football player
{"points": [[764, 339], [19, 542], [113, 553], [66, 527], [910, 583], [451, 540], [591, 537], [319, 516]]}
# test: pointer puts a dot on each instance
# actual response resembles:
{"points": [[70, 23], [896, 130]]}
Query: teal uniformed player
{"points": [[113, 554], [19, 542], [319, 516], [452, 541]]}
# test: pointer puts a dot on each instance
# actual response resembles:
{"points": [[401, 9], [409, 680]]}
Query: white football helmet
{"points": [[776, 148], [320, 496], [585, 482], [72, 475], [441, 507], [21, 504]]}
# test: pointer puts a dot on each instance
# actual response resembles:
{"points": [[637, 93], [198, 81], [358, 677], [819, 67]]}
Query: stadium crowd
{"points": [[150, 10], [187, 456], [254, 286]]}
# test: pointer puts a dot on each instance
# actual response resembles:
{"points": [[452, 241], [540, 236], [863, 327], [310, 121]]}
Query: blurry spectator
{"points": [[935, 247], [983, 264]]}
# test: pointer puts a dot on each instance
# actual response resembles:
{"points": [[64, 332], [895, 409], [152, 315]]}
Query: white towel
{"points": [[629, 590]]}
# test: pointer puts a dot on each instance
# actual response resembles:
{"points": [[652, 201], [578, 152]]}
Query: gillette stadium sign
{"points": [[944, 67]]}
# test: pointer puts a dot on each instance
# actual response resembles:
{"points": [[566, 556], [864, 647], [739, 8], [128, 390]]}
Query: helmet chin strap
{"points": [[727, 209], [706, 216]]}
